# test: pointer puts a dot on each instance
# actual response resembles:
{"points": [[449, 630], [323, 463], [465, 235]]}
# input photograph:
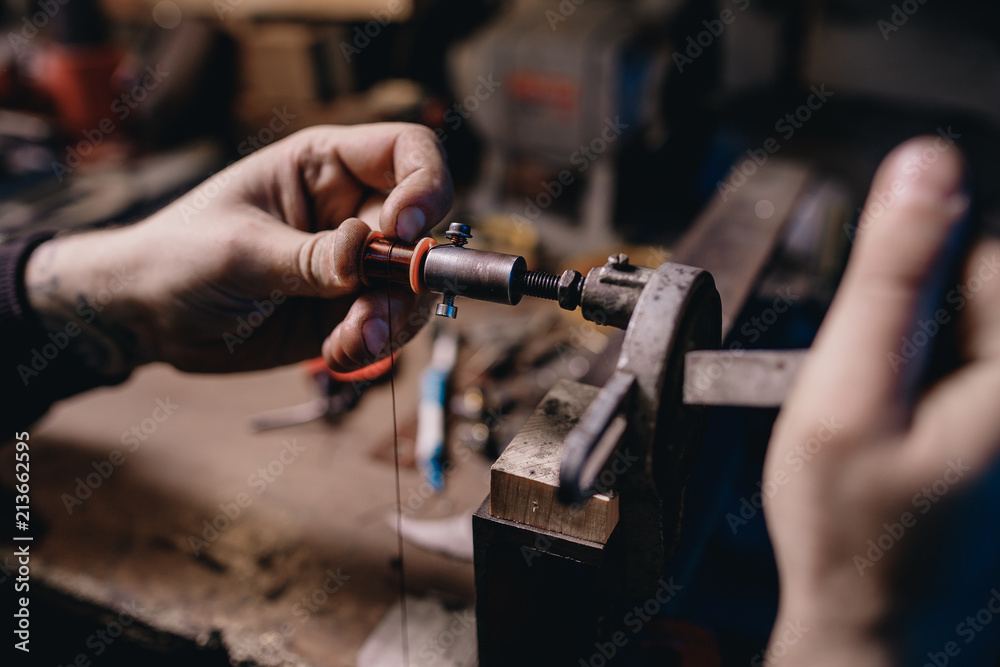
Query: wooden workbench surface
{"points": [[317, 519]]}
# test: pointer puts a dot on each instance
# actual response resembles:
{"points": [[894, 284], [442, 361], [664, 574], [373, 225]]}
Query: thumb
{"points": [[327, 263], [903, 245]]}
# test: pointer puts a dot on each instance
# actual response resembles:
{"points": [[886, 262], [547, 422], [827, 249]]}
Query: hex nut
{"points": [[569, 289]]}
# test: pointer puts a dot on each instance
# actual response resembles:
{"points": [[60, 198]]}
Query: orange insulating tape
{"points": [[369, 372], [417, 264]]}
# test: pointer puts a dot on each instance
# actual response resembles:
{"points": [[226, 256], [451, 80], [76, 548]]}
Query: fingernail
{"points": [[375, 334], [410, 223]]}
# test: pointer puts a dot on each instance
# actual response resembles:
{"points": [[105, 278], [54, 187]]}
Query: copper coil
{"points": [[399, 261]]}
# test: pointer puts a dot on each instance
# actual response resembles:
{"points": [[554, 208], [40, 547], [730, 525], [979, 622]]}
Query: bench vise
{"points": [[586, 501]]}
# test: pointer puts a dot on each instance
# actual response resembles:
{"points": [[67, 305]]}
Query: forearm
{"points": [[43, 361], [79, 288]]}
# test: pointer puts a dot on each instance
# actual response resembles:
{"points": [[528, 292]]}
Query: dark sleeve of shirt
{"points": [[36, 371]]}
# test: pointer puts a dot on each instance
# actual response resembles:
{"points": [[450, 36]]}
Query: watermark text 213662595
{"points": [[22, 517]]}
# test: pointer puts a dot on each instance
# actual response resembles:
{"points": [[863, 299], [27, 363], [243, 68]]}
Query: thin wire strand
{"points": [[395, 455]]}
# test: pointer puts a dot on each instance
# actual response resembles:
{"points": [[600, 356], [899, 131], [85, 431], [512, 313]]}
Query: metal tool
{"points": [[454, 270], [429, 446], [568, 102], [338, 393]]}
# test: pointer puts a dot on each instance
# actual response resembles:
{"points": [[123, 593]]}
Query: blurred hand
{"points": [[860, 449], [259, 265]]}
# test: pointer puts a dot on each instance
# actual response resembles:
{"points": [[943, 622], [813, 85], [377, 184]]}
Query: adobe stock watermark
{"points": [[133, 437], [273, 642], [363, 35], [566, 9], [310, 604], [30, 25], [417, 496], [259, 481], [139, 433], [585, 339], [278, 123], [420, 316], [86, 313], [924, 501], [432, 652], [796, 459], [696, 45], [581, 158], [956, 299], [752, 330], [121, 108], [782, 639], [634, 620], [786, 127], [967, 629], [262, 310], [880, 202], [898, 17], [202, 195], [460, 111]]}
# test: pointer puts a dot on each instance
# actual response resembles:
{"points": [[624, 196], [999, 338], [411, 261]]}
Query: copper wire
{"points": [[395, 449], [387, 259]]}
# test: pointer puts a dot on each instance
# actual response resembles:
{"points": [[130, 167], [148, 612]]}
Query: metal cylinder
{"points": [[475, 274]]}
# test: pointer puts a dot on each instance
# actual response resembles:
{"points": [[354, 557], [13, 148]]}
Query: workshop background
{"points": [[218, 531]]}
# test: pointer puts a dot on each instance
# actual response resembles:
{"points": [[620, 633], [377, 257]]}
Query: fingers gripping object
{"points": [[453, 270]]}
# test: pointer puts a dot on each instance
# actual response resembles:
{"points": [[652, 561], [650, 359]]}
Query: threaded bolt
{"points": [[538, 284]]}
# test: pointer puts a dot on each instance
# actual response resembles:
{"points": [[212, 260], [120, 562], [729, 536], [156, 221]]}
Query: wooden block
{"points": [[524, 480]]}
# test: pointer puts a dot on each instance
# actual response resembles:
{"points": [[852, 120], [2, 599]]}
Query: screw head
{"points": [[458, 233], [618, 259]]}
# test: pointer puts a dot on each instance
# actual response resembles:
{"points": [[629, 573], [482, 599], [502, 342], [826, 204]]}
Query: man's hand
{"points": [[259, 265], [875, 437]]}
